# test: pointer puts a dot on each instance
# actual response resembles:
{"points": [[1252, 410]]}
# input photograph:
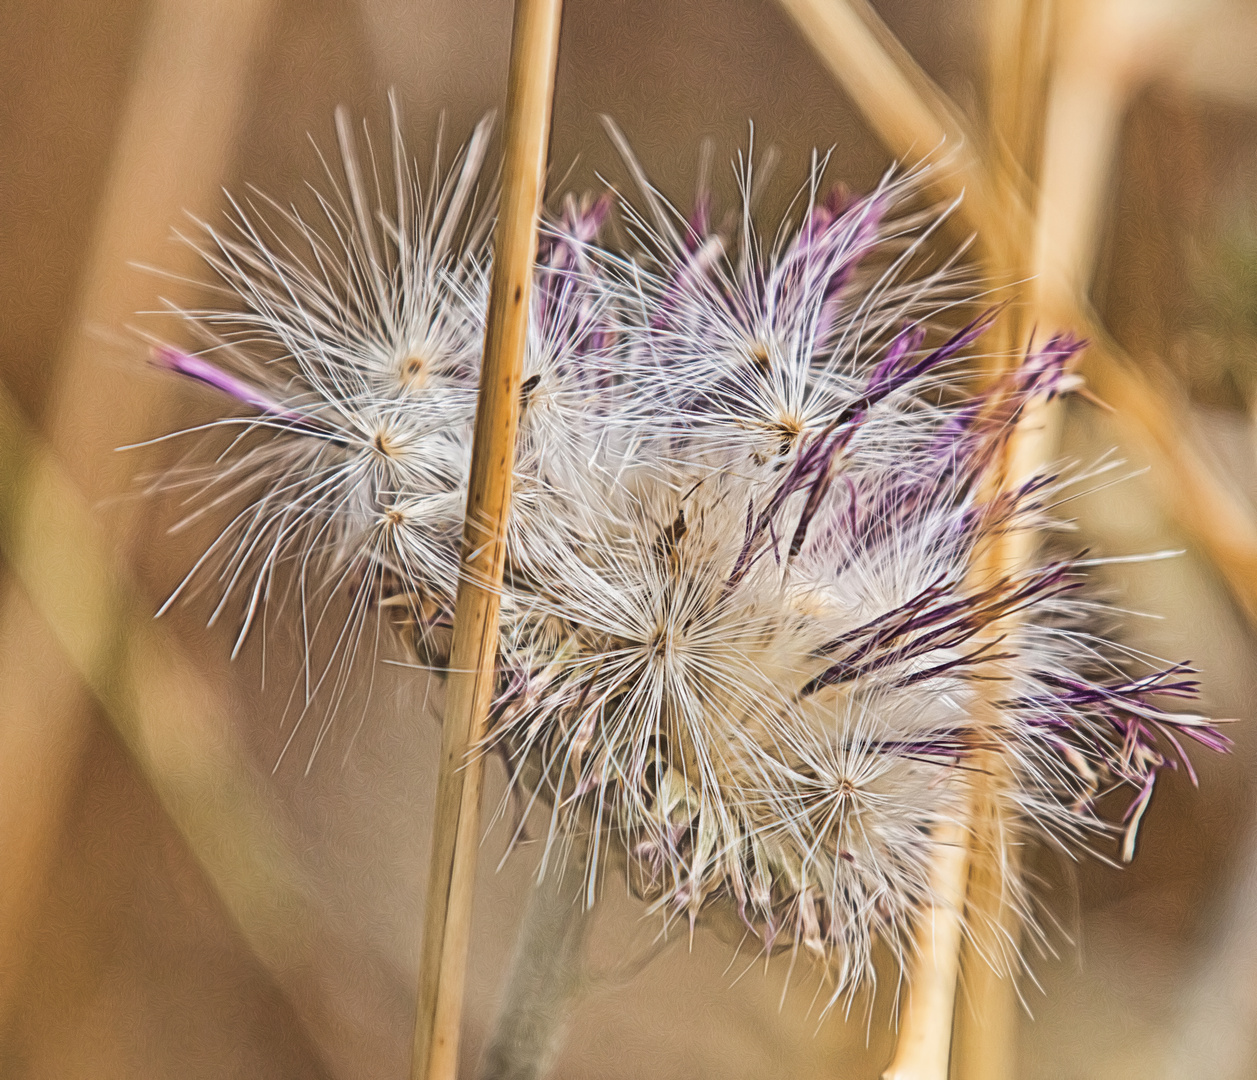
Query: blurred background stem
{"points": [[545, 978], [176, 139]]}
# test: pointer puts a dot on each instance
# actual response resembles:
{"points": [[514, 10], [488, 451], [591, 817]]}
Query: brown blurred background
{"points": [[173, 905]]}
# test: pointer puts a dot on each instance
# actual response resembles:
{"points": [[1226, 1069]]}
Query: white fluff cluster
{"points": [[742, 641]]}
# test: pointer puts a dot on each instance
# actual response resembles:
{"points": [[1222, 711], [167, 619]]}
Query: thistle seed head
{"points": [[743, 645]]}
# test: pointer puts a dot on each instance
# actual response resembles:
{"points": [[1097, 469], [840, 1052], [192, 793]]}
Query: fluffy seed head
{"points": [[744, 652]]}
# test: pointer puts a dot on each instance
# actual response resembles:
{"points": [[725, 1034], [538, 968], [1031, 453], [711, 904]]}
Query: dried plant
{"points": [[743, 651]]}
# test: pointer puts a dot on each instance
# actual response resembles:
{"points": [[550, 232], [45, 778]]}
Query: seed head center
{"points": [[414, 372], [384, 445]]}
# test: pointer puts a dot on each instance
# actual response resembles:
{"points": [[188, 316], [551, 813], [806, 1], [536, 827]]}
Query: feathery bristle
{"points": [[742, 647]]}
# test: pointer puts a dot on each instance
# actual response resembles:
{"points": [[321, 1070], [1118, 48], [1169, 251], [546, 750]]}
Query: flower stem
{"points": [[546, 975]]}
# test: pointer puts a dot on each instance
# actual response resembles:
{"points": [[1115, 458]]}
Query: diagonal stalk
{"points": [[912, 116], [884, 84]]}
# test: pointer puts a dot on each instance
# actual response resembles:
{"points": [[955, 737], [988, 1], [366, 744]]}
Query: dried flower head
{"points": [[745, 651]]}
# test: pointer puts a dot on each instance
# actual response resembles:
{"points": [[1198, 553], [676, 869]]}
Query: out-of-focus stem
{"points": [[90, 619], [987, 1010], [1019, 33], [545, 978], [473, 657], [1079, 122], [176, 137], [901, 103]]}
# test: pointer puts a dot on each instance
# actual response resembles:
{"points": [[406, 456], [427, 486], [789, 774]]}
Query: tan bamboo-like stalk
{"points": [[986, 1011], [1200, 501], [923, 1049], [1098, 68], [904, 107], [473, 656], [988, 1008], [901, 102], [855, 44], [177, 130], [1203, 504], [976, 922], [1018, 36]]}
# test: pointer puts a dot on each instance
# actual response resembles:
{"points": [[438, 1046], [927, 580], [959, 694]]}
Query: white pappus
{"points": [[743, 643]]}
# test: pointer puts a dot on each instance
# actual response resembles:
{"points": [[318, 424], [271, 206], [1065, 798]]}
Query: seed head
{"points": [[744, 649]]}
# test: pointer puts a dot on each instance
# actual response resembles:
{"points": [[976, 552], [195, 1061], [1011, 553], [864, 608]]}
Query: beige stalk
{"points": [[999, 185], [922, 1051], [473, 657]]}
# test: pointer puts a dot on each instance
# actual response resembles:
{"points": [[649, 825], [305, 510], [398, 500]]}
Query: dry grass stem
{"points": [[1078, 141], [1018, 37], [900, 102], [923, 1049], [456, 832], [1055, 219], [989, 1008], [75, 631], [1212, 515]]}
